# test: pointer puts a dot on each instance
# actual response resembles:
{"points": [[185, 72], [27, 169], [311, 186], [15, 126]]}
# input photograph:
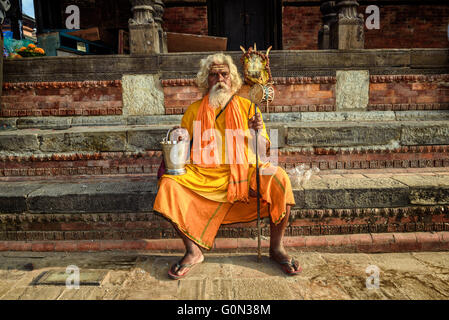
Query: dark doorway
{"points": [[245, 22]]}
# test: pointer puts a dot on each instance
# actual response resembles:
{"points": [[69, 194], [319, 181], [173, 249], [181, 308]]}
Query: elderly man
{"points": [[220, 184]]}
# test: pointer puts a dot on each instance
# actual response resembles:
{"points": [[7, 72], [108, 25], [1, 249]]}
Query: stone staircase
{"points": [[79, 148], [95, 179]]}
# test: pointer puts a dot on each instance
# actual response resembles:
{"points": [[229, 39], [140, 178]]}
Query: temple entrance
{"points": [[245, 22]]}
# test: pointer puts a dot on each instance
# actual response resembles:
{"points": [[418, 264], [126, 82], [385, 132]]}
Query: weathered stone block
{"points": [[23, 142], [426, 190], [348, 116], [392, 57], [155, 119], [146, 139], [277, 134], [352, 90], [355, 193], [425, 57], [422, 115], [91, 197], [425, 133], [111, 140], [142, 95], [99, 121], [342, 134], [13, 196], [299, 198], [8, 124], [44, 123]]}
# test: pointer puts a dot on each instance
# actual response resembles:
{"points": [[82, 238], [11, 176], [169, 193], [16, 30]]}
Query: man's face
{"points": [[219, 73]]}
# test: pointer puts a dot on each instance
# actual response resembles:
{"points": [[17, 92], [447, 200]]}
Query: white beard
{"points": [[219, 95]]}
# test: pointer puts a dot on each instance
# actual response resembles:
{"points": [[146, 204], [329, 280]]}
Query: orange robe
{"points": [[197, 201]]}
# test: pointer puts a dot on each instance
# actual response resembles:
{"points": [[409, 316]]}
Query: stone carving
{"points": [[352, 90], [142, 95], [146, 33], [348, 28], [143, 12]]}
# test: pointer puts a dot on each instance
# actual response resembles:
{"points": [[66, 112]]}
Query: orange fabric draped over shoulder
{"points": [[209, 194], [237, 154]]}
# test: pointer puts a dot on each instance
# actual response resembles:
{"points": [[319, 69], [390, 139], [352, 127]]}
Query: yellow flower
{"points": [[31, 46], [39, 50], [22, 49]]}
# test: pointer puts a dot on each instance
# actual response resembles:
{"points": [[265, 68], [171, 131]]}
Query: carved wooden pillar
{"points": [[143, 29], [159, 13], [328, 9], [349, 26]]}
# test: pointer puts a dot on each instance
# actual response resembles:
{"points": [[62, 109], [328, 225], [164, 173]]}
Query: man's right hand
{"points": [[179, 133]]}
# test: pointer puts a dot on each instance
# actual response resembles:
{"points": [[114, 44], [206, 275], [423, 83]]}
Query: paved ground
{"points": [[143, 275]]}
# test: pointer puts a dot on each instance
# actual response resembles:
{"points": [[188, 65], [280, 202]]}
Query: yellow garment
{"points": [[197, 201], [212, 183]]}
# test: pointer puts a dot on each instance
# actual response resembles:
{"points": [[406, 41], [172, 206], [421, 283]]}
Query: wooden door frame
{"points": [[273, 28]]}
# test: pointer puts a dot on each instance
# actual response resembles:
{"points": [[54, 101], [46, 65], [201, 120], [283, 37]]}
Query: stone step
{"points": [[120, 207], [289, 136], [60, 123]]}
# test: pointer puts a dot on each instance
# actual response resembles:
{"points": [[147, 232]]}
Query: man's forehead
{"points": [[219, 67]]}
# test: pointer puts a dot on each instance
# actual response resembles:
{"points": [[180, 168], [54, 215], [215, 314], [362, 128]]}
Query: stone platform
{"points": [[116, 211], [136, 275]]}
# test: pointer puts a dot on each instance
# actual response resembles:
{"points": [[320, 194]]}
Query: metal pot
{"points": [[175, 155]]}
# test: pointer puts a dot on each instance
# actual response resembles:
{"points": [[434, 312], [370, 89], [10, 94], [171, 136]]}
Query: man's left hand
{"points": [[256, 122]]}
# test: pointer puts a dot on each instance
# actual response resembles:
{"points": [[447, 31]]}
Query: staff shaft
{"points": [[259, 255]]}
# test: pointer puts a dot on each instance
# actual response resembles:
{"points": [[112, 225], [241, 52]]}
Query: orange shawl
{"points": [[238, 156]]}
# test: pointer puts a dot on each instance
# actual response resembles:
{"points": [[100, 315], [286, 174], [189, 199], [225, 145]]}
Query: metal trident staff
{"points": [[256, 69]]}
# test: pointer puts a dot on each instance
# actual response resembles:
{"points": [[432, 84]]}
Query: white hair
{"points": [[218, 58]]}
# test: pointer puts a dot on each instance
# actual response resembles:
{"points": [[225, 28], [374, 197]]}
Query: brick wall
{"points": [[411, 92], [409, 27], [300, 26], [291, 94], [400, 27], [192, 20], [88, 98]]}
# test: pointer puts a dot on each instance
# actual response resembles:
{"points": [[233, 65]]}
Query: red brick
{"points": [[106, 245], [429, 241], [297, 241], [382, 238], [316, 241], [19, 246], [361, 239], [66, 246], [226, 243], [156, 244], [134, 245], [444, 240], [338, 240], [91, 245], [405, 242], [378, 86], [246, 243], [408, 238], [3, 246], [43, 246]]}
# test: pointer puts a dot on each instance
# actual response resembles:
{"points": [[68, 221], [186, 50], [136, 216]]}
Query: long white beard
{"points": [[219, 95]]}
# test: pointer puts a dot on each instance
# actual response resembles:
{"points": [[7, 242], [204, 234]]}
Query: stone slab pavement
{"points": [[238, 276]]}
